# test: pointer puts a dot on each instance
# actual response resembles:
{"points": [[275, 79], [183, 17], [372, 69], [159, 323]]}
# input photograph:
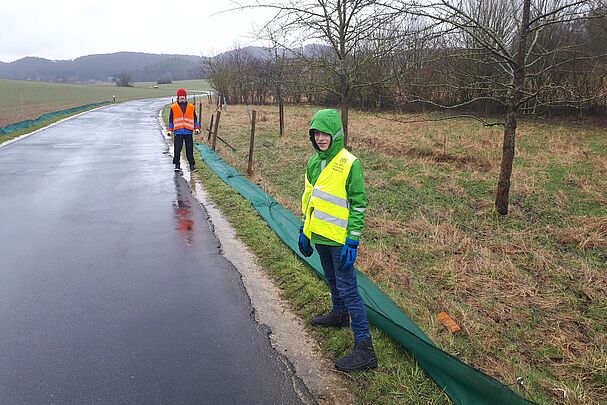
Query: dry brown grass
{"points": [[480, 286], [405, 142], [587, 233], [32, 112]]}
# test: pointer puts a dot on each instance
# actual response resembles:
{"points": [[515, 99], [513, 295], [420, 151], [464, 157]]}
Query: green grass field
{"points": [[529, 289], [21, 100]]}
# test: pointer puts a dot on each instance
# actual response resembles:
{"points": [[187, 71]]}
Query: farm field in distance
{"points": [[21, 100], [529, 289]]}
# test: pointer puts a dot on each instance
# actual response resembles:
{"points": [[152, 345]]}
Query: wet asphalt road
{"points": [[112, 286]]}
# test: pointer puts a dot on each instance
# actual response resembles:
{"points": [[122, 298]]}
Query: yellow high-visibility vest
{"points": [[325, 204]]}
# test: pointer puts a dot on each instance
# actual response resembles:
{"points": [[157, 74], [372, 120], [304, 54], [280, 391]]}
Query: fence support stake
{"points": [[214, 145], [251, 143]]}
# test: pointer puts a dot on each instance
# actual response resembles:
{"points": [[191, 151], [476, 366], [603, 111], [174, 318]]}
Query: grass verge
{"points": [[16, 134]]}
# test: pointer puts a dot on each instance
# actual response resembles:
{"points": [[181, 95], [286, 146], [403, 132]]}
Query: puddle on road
{"points": [[182, 208]]}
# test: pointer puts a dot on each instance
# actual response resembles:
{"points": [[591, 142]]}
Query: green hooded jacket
{"points": [[329, 122]]}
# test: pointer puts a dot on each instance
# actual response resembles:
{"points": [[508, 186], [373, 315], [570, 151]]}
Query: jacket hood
{"points": [[329, 122]]}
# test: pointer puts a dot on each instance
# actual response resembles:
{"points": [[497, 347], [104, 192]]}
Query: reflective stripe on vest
{"points": [[181, 120], [325, 204]]}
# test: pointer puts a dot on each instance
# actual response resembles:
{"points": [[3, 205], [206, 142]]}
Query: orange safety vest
{"points": [[181, 120]]}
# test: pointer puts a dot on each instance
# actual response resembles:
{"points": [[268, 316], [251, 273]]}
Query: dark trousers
{"points": [[344, 290], [189, 149]]}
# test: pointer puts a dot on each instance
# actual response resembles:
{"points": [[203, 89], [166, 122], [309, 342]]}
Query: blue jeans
{"points": [[344, 290]]}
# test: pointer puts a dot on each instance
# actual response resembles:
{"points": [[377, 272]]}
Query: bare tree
{"points": [[278, 72], [355, 32], [513, 55], [239, 76], [123, 79]]}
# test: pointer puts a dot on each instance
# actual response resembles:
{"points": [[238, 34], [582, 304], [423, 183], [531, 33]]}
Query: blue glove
{"points": [[304, 244], [347, 257]]}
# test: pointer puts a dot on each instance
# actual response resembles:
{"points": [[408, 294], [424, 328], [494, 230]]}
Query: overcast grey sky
{"points": [[67, 29]]}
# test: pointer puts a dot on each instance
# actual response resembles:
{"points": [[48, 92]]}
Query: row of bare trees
{"points": [[493, 60]]}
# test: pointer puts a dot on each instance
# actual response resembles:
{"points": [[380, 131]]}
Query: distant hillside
{"points": [[250, 51], [259, 52], [102, 67]]}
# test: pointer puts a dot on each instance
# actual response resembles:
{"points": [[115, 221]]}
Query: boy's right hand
{"points": [[304, 244]]}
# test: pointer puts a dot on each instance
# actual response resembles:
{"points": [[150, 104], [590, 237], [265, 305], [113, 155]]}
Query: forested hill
{"points": [[103, 67]]}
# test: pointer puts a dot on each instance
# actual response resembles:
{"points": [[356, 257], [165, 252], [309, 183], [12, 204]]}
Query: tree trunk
{"points": [[344, 75], [518, 82], [281, 113], [345, 110], [503, 185]]}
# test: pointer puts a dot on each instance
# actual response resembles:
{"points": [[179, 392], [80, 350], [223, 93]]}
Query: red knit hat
{"points": [[181, 92]]}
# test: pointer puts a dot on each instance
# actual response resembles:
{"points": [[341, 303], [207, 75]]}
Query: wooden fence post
{"points": [[214, 145], [210, 128], [281, 113], [251, 143]]}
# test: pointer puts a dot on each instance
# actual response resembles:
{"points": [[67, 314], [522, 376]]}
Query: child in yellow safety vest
{"points": [[333, 206]]}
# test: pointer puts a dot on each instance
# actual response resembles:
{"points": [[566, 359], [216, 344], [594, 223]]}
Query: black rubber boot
{"points": [[362, 358], [335, 319]]}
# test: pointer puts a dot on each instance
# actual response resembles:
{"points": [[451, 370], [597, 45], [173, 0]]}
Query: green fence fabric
{"points": [[464, 384], [9, 129]]}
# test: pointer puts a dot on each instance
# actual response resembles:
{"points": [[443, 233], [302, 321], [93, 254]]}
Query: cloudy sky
{"points": [[67, 29]]}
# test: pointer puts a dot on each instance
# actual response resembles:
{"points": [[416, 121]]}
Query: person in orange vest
{"points": [[183, 122]]}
